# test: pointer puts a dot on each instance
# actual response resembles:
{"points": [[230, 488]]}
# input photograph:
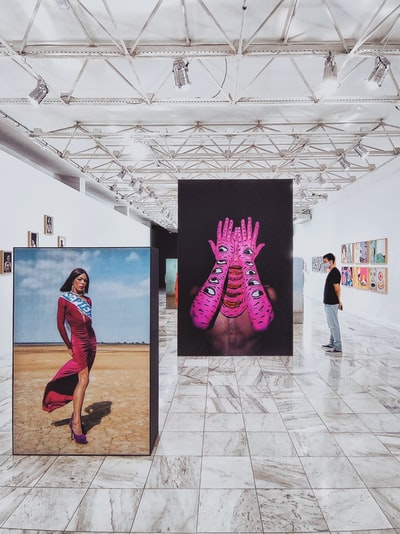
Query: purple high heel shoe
{"points": [[79, 438]]}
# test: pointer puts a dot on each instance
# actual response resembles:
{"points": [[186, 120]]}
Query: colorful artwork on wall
{"points": [[360, 250], [235, 234], [378, 251], [120, 407], [361, 277], [370, 253], [6, 262], [347, 276], [347, 253]]}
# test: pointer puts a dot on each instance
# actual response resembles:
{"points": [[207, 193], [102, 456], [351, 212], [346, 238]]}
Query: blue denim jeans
{"points": [[331, 311]]}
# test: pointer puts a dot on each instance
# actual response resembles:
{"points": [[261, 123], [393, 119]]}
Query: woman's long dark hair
{"points": [[67, 285]]}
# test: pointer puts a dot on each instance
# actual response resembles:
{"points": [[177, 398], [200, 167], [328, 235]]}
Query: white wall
{"points": [[368, 209], [26, 195]]}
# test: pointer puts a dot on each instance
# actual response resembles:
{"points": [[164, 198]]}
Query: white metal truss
{"points": [[255, 108]]}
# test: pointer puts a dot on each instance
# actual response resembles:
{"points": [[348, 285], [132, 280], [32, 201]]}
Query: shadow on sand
{"points": [[95, 413]]}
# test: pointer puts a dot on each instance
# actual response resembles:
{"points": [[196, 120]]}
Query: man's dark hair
{"points": [[329, 257]]}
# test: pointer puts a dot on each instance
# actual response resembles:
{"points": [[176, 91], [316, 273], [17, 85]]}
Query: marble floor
{"points": [[309, 443]]}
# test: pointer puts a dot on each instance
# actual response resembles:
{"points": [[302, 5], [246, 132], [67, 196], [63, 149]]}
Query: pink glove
{"points": [[258, 305], [208, 299]]}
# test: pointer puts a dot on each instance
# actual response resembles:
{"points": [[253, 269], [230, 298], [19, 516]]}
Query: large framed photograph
{"points": [[235, 244], [102, 322], [6, 262]]}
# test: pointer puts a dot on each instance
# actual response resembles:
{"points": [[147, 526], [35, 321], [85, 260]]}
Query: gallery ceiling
{"points": [[114, 125]]}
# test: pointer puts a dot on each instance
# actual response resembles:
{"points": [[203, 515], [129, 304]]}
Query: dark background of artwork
{"points": [[201, 204]]}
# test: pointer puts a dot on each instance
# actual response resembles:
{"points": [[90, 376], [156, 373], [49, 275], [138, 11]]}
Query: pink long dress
{"points": [[59, 391]]}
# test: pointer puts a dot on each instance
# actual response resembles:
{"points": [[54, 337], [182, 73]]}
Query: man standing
{"points": [[332, 303]]}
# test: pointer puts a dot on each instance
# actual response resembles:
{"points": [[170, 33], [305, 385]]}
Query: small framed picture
{"points": [[33, 239], [61, 241], [6, 261], [48, 225]]}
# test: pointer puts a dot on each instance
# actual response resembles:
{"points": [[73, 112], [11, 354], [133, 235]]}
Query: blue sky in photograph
{"points": [[119, 289]]}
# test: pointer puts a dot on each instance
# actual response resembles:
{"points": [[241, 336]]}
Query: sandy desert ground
{"points": [[116, 410]]}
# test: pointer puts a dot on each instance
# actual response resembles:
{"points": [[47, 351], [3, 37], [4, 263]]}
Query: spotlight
{"points": [[321, 179], [181, 73], [379, 72], [361, 150], [344, 163], [329, 79], [297, 179], [39, 93], [121, 174]]}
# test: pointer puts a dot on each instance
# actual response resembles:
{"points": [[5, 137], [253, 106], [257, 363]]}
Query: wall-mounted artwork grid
{"points": [[120, 409]]}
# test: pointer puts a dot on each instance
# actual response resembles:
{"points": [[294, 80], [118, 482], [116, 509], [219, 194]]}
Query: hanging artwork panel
{"points": [[235, 244], [120, 406]]}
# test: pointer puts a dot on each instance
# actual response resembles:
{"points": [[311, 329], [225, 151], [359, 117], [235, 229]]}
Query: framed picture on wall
{"points": [[5, 261], [378, 251], [347, 253], [259, 211], [61, 241], [360, 250], [347, 276], [122, 349], [361, 277], [33, 239], [48, 224], [381, 280], [315, 264]]}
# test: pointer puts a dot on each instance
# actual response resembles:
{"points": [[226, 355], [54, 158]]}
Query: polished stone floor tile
{"points": [[122, 472], [106, 510], [224, 421], [315, 443], [229, 510], [227, 472], [64, 473], [176, 472], [331, 472], [167, 510], [351, 509], [290, 510], [279, 472], [10, 499], [270, 444], [46, 508], [389, 501], [264, 422], [361, 444], [24, 470], [225, 444], [184, 422], [378, 471], [180, 443]]}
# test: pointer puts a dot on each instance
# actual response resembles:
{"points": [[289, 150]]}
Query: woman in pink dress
{"points": [[71, 381]]}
